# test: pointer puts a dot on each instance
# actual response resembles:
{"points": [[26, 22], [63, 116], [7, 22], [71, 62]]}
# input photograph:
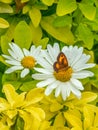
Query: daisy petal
{"points": [[38, 76], [47, 57], [77, 83], [83, 66], [75, 91], [13, 62], [45, 64], [26, 52], [24, 72], [57, 91], [45, 82], [13, 55], [16, 49], [36, 52], [51, 87], [44, 71], [7, 57], [13, 68], [63, 92], [51, 53], [82, 74], [56, 49]]}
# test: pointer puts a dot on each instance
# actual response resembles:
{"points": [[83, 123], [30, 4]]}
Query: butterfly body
{"points": [[61, 63]]}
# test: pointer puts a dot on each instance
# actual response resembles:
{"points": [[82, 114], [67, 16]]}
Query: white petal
{"points": [[51, 87], [45, 82], [82, 74], [56, 49], [72, 53], [14, 56], [51, 53], [36, 52], [44, 71], [32, 49], [16, 49], [57, 91], [24, 72], [84, 58], [47, 57], [7, 57], [75, 91], [41, 76], [13, 62], [77, 83], [63, 92], [45, 64], [13, 68], [83, 66], [26, 52], [77, 55]]}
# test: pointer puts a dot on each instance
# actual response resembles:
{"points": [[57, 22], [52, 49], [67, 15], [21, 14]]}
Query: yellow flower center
{"points": [[28, 62], [64, 74]]}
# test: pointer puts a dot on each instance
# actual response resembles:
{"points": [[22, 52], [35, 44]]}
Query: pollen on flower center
{"points": [[28, 62], [64, 74]]}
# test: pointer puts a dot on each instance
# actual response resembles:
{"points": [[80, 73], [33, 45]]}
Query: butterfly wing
{"points": [[61, 62]]}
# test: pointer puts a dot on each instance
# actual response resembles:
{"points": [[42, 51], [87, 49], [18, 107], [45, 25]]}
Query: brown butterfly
{"points": [[61, 63]]}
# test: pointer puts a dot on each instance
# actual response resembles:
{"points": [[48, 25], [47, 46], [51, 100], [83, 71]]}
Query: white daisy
{"points": [[21, 59], [61, 70]]}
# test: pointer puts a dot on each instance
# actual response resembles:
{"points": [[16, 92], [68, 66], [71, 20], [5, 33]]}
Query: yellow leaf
{"points": [[10, 93], [33, 96], [65, 7], [48, 2], [96, 119], [59, 120], [44, 125], [19, 101], [3, 127], [37, 113], [6, 1], [86, 98], [35, 16], [55, 107], [63, 34], [88, 118], [73, 120], [4, 105], [28, 120], [3, 23], [26, 8], [11, 113]]}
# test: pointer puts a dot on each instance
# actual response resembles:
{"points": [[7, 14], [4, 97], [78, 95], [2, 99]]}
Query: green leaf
{"points": [[5, 39], [62, 21], [6, 1], [26, 86], [23, 1], [43, 42], [5, 8], [48, 2], [89, 11], [3, 23], [36, 34], [85, 34], [35, 16], [63, 34], [19, 124], [65, 7], [23, 35]]}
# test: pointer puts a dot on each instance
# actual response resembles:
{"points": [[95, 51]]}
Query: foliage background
{"points": [[39, 22]]}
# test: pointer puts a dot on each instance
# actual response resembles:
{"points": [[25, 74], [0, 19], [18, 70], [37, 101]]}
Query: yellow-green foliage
{"points": [[39, 22]]}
